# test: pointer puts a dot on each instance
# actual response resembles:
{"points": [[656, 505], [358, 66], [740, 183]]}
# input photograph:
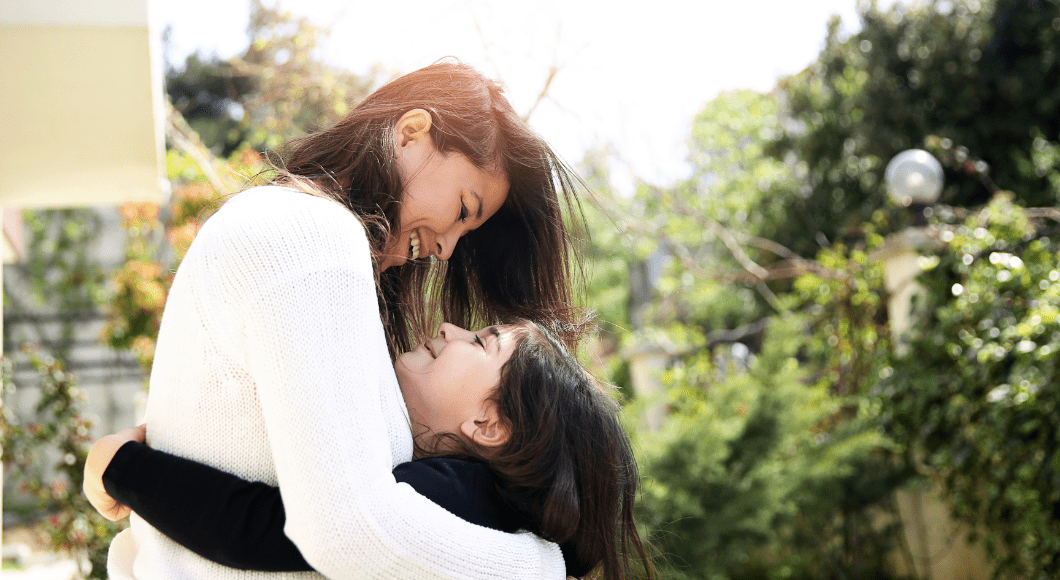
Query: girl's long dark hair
{"points": [[519, 263], [567, 467]]}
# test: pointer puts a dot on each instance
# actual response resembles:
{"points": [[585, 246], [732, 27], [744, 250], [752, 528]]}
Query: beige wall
{"points": [[78, 121]]}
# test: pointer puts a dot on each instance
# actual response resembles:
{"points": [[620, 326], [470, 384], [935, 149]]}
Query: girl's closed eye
{"points": [[479, 342], [463, 212]]}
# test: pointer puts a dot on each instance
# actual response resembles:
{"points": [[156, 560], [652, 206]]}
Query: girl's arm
{"points": [[298, 276], [217, 515], [239, 523]]}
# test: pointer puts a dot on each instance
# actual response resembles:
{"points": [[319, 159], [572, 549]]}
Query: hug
{"points": [[306, 410]]}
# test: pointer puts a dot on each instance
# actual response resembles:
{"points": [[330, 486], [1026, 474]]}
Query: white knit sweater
{"points": [[272, 364]]}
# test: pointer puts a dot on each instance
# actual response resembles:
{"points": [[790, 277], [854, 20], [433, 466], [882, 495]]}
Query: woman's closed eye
{"points": [[463, 212], [480, 343]]}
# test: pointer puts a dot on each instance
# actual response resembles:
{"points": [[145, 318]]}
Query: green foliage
{"points": [[979, 74], [207, 93], [847, 334], [749, 478], [46, 455], [733, 181], [63, 278], [59, 429], [295, 89], [608, 278], [277, 89], [141, 284], [768, 466], [707, 224], [975, 82], [977, 403], [731, 189], [772, 244]]}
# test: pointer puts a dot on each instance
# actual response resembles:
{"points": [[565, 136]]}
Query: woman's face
{"points": [[445, 381], [445, 196]]}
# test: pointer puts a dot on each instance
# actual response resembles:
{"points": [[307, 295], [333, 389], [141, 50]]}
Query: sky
{"points": [[631, 75]]}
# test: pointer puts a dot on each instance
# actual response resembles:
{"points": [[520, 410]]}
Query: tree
{"points": [[279, 88], [208, 93], [750, 478], [947, 76], [979, 74], [768, 462], [976, 406]]}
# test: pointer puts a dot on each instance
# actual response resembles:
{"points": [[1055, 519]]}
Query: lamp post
{"points": [[914, 180]]}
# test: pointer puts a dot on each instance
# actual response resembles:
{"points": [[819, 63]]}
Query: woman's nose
{"points": [[446, 243]]}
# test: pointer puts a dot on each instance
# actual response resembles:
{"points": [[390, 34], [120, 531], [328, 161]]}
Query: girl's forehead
{"points": [[523, 333], [515, 329]]}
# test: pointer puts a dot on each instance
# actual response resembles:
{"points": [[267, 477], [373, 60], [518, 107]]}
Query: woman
{"points": [[271, 359], [511, 433]]}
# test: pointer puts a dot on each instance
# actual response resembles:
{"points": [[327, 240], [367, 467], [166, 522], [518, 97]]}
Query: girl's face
{"points": [[446, 380], [445, 195]]}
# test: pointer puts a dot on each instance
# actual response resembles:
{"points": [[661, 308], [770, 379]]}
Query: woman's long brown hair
{"points": [[519, 263]]}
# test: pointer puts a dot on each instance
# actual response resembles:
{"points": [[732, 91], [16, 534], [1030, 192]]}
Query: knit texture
{"points": [[272, 364]]}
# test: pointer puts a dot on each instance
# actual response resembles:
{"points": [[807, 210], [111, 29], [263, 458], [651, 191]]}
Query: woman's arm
{"points": [[300, 279], [239, 523]]}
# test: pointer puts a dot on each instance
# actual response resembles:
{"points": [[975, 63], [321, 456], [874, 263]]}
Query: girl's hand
{"points": [[98, 460]]}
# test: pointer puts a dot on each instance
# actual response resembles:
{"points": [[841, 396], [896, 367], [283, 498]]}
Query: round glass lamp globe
{"points": [[914, 176]]}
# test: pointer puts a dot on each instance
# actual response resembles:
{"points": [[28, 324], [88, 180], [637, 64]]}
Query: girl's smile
{"points": [[447, 381]]}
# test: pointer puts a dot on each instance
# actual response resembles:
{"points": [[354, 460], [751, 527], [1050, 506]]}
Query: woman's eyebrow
{"points": [[478, 214]]}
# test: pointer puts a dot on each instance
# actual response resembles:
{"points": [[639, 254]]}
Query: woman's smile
{"points": [[414, 245], [444, 195]]}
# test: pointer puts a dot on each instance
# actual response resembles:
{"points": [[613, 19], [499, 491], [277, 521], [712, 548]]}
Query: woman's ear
{"points": [[486, 430], [412, 127]]}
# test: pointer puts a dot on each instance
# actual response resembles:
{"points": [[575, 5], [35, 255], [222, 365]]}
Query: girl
{"points": [[270, 359], [541, 449]]}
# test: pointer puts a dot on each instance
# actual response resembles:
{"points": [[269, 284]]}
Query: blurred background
{"points": [[836, 360]]}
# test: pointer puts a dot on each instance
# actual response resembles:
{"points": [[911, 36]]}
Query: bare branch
{"points": [[486, 45], [783, 270], [552, 71], [186, 140], [792, 266], [738, 334], [1051, 213], [767, 245], [733, 242], [769, 296]]}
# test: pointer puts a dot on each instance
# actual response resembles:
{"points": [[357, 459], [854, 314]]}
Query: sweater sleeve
{"points": [[239, 523], [298, 275]]}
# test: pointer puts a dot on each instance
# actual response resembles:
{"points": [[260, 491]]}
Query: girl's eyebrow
{"points": [[493, 331]]}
